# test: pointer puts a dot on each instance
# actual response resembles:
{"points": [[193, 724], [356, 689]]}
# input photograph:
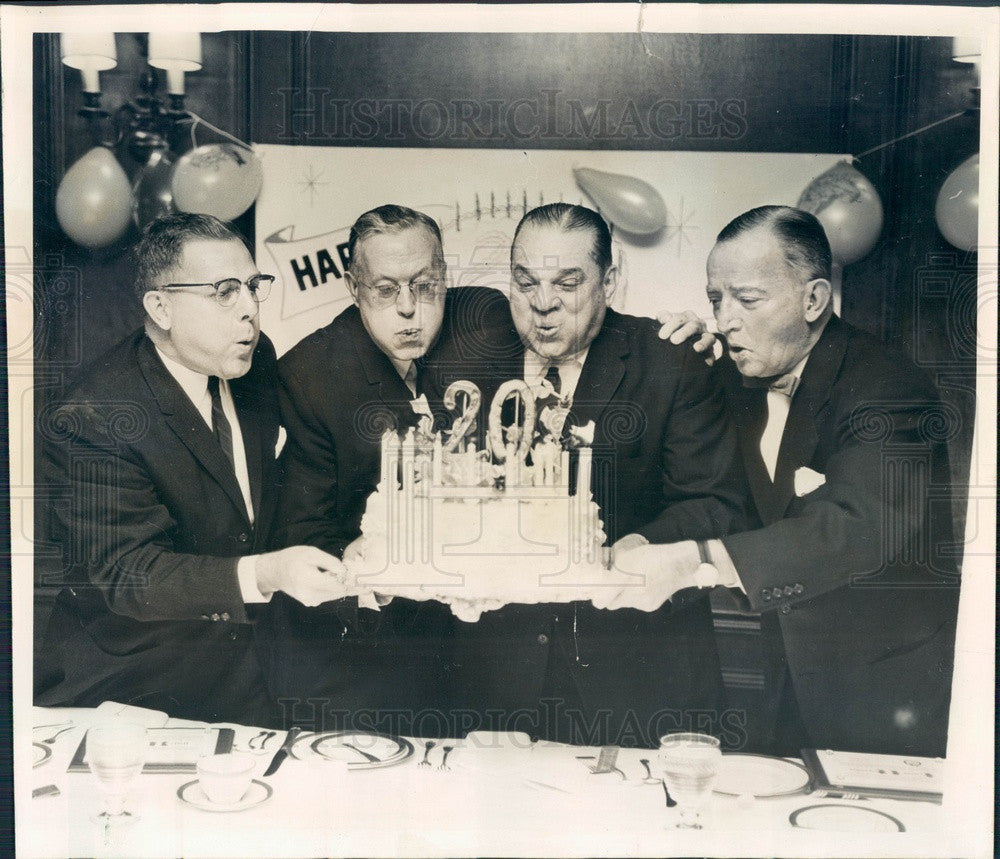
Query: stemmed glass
{"points": [[689, 763], [116, 752]]}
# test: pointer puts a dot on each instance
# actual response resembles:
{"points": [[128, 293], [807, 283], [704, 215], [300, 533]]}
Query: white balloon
{"points": [[848, 207], [629, 203], [219, 179], [957, 208], [94, 200]]}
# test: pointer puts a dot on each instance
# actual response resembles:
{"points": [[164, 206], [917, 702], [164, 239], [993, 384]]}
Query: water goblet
{"points": [[115, 753], [689, 763]]}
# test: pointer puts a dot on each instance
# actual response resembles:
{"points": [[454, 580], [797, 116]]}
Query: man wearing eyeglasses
{"points": [[166, 450], [342, 665]]}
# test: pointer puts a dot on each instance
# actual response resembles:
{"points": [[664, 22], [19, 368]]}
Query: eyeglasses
{"points": [[386, 294], [227, 290]]}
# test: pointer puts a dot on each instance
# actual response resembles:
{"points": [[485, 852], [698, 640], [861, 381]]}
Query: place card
{"points": [[890, 776], [171, 749]]}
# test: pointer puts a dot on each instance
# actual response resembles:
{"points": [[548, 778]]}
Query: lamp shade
{"points": [[90, 53], [177, 53], [967, 49]]}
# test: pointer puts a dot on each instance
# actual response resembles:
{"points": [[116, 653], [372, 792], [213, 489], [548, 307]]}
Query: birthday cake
{"points": [[479, 529]]}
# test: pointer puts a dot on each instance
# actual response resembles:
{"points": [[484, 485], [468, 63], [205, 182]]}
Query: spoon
{"points": [[649, 779], [52, 739]]}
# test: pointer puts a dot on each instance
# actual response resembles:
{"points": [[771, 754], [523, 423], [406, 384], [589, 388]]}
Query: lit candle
{"points": [[437, 455], [409, 443], [388, 442]]}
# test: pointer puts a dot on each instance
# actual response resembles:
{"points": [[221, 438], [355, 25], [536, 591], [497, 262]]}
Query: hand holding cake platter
{"points": [[478, 529]]}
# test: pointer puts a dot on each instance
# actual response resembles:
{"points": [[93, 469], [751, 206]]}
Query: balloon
{"points": [[957, 209], [629, 203], [219, 179], [151, 193], [94, 200], [848, 207]]}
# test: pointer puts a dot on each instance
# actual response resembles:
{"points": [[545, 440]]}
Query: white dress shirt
{"points": [[195, 385], [778, 406], [570, 369], [407, 372]]}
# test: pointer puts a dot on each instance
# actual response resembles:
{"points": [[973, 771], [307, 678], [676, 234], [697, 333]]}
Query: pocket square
{"points": [[807, 480]]}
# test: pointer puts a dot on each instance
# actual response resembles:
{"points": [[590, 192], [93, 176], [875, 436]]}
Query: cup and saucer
{"points": [[225, 783]]}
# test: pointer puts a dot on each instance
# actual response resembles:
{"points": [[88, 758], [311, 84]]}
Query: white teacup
{"points": [[225, 779]]}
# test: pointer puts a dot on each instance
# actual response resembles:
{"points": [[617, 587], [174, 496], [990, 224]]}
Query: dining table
{"points": [[488, 794]]}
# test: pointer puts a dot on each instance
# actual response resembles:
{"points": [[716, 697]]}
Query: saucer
{"points": [[41, 754], [192, 794]]}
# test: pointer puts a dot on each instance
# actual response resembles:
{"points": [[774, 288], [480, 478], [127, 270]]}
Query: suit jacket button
{"points": [[785, 609], [765, 595], [225, 615], [244, 537], [215, 616], [789, 590], [797, 589], [234, 635], [543, 639], [778, 593]]}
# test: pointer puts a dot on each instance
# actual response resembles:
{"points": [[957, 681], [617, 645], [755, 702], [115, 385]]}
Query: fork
{"points": [[52, 739], [430, 744], [444, 765]]}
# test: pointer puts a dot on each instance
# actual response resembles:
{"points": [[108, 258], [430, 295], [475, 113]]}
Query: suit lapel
{"points": [[180, 414], [799, 440], [602, 373]]}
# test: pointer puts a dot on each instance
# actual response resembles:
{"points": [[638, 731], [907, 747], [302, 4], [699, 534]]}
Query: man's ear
{"points": [[817, 298], [157, 308], [352, 285], [610, 283]]}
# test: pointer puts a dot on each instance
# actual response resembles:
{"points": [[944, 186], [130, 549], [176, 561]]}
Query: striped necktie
{"points": [[220, 423]]}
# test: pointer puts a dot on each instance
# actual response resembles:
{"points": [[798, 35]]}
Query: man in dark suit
{"points": [[166, 447], [844, 445], [665, 468], [340, 389]]}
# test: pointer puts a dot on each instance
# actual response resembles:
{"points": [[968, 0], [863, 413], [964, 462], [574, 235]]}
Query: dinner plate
{"points": [[192, 794], [358, 749], [844, 818], [42, 753], [760, 776]]}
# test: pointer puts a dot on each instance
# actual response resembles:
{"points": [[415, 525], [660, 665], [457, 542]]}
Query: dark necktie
{"points": [[220, 423], [553, 378]]}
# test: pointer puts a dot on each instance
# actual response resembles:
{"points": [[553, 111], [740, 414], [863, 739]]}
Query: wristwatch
{"points": [[707, 574]]}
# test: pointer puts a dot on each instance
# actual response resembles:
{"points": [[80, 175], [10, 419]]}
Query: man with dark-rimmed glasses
{"points": [[164, 452]]}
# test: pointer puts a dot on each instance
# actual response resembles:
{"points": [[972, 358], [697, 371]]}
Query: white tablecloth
{"points": [[504, 801]]}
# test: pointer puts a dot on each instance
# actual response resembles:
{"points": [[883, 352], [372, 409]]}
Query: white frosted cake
{"points": [[478, 529]]}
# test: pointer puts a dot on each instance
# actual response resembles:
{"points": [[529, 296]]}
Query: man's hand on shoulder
{"points": [[685, 326], [306, 573]]}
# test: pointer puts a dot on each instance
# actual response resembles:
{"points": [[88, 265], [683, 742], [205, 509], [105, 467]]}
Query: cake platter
{"points": [[360, 750]]}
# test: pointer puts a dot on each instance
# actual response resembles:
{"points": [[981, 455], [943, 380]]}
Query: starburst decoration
{"points": [[311, 184], [679, 228]]}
